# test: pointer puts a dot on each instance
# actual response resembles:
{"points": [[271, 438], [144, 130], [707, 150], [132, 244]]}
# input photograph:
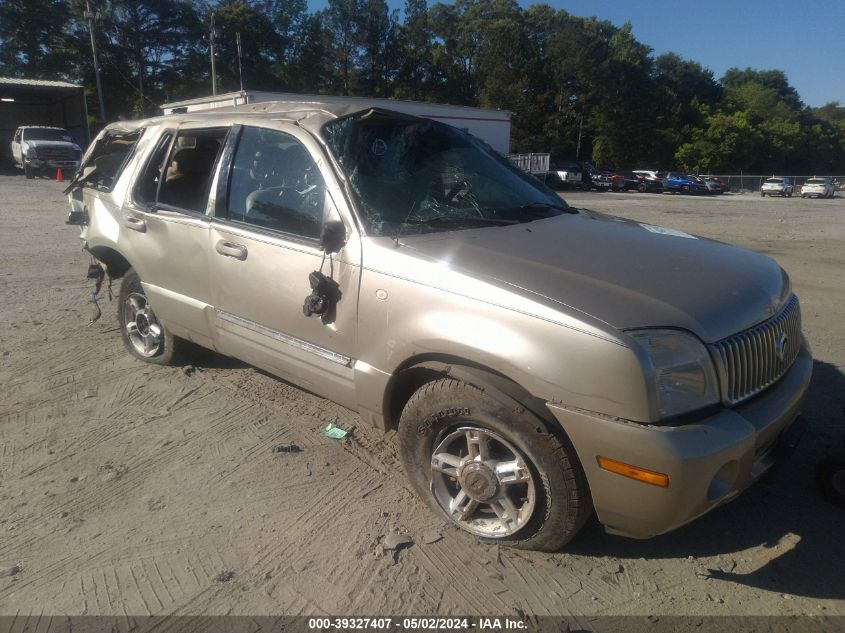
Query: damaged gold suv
{"points": [[539, 362]]}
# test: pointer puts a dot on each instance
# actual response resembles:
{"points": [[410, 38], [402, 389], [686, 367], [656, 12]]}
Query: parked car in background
{"points": [[818, 188], [714, 185], [565, 174], [776, 186], [537, 362], [677, 182], [723, 186], [649, 183], [602, 180], [653, 175], [39, 149], [627, 180]]}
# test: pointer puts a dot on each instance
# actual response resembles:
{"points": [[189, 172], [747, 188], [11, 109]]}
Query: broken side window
{"points": [[147, 185], [187, 176]]}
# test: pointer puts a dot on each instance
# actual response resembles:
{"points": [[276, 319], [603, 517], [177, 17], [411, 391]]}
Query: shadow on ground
{"points": [[787, 513]]}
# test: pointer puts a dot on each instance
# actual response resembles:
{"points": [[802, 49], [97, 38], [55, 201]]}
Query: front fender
{"points": [[552, 355]]}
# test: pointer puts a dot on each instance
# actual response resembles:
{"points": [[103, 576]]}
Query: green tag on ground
{"points": [[334, 432]]}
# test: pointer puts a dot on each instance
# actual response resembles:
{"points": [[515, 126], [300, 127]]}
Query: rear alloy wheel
{"points": [[144, 336], [493, 471], [642, 188]]}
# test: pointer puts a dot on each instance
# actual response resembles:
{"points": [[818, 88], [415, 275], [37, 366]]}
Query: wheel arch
{"points": [[115, 262], [421, 369]]}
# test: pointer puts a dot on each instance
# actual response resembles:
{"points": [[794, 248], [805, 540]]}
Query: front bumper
{"points": [[709, 462], [40, 163]]}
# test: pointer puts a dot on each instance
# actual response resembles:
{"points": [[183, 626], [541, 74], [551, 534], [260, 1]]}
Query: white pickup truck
{"points": [[37, 148]]}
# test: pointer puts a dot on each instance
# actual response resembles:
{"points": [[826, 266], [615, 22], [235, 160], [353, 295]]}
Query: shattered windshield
{"points": [[412, 175]]}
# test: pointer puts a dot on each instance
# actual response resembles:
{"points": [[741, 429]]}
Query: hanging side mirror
{"points": [[333, 234]]}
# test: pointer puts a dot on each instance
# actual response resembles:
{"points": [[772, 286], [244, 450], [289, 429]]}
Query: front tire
{"points": [[145, 337], [493, 471], [28, 172]]}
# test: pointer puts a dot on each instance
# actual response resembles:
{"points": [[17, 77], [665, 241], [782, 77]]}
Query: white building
{"points": [[492, 126]]}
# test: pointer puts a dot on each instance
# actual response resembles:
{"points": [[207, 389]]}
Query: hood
{"points": [[57, 144], [624, 273]]}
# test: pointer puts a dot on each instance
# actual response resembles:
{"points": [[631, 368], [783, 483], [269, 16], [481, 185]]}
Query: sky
{"points": [[804, 39]]}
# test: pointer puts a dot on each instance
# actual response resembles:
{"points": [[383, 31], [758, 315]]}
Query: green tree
{"points": [[342, 23], [682, 87], [377, 31], [262, 46], [415, 50], [33, 38]]}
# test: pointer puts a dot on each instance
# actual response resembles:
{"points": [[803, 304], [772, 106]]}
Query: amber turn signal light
{"points": [[633, 472]]}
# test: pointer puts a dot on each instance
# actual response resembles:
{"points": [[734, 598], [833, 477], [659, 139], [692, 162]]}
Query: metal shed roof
{"points": [[36, 83]]}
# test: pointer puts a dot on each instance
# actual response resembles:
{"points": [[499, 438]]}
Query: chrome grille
{"points": [[752, 360], [56, 153]]}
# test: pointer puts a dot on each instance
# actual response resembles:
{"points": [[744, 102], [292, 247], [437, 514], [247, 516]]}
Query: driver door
{"points": [[264, 244]]}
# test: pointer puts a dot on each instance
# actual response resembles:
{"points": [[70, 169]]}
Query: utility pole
{"points": [[240, 69], [580, 131], [213, 66], [90, 16]]}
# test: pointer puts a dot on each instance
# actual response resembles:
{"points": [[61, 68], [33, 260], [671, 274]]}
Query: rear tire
{"points": [[144, 336], [493, 470]]}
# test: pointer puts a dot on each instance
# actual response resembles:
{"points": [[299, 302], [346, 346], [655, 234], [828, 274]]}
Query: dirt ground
{"points": [[127, 488]]}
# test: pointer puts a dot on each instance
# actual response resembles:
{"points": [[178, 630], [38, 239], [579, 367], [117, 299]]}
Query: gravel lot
{"points": [[127, 488]]}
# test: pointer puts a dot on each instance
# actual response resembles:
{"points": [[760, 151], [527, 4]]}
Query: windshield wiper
{"points": [[447, 219], [547, 205]]}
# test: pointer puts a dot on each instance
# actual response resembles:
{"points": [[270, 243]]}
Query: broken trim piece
{"points": [[322, 352]]}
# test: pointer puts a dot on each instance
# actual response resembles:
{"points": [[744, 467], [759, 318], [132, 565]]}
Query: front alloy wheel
{"points": [[494, 470], [482, 482]]}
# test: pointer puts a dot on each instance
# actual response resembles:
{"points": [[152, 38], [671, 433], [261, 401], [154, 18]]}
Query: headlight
{"points": [[681, 371]]}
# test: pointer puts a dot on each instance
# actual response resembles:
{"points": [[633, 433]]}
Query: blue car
{"points": [[684, 183]]}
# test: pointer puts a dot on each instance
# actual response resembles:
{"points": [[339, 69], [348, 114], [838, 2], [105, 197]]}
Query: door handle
{"points": [[230, 249], [136, 224]]}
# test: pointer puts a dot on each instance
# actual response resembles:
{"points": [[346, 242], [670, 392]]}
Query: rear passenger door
{"points": [[167, 223], [264, 244]]}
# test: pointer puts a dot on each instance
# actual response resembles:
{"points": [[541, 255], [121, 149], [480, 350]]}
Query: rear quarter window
{"points": [[109, 158]]}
